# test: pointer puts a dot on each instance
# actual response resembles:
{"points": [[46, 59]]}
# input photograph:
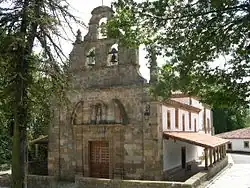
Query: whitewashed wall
{"points": [[172, 119], [193, 117], [197, 104], [238, 144], [186, 119], [172, 153], [200, 118], [164, 118]]}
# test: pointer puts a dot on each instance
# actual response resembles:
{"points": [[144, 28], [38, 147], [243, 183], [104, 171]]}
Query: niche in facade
{"points": [[113, 55], [101, 28], [90, 58], [81, 114], [100, 113]]}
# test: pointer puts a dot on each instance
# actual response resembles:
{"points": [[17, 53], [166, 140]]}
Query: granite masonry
{"points": [[110, 127]]}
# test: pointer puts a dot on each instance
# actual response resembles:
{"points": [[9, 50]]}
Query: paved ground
{"points": [[237, 176]]}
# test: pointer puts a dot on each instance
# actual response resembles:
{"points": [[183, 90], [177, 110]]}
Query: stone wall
{"points": [[41, 181], [107, 77], [106, 183], [135, 146], [203, 176], [217, 168], [85, 182], [82, 182], [48, 182], [61, 152]]}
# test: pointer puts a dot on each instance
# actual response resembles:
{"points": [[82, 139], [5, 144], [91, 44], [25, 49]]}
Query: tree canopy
{"points": [[27, 76], [191, 36], [228, 119]]}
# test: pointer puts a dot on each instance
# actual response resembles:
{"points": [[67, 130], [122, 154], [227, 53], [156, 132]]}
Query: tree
{"points": [[228, 119], [24, 24], [191, 35]]}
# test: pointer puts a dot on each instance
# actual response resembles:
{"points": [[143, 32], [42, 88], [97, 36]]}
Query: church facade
{"points": [[103, 131], [110, 126]]}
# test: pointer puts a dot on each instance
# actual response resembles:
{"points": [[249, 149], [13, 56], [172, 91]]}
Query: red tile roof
{"points": [[236, 134], [199, 139]]}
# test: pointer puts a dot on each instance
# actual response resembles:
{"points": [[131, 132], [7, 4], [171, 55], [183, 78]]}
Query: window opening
{"points": [[168, 120], [102, 30], [183, 122], [246, 144], [208, 125], [195, 124], [229, 146], [91, 58], [113, 55], [176, 118]]}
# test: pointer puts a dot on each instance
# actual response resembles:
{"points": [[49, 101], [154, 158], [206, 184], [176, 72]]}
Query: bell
{"points": [[91, 54], [114, 55], [91, 57], [113, 51], [113, 58]]}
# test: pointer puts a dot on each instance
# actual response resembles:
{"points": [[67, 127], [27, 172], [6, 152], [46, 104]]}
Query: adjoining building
{"points": [[238, 140], [111, 127]]}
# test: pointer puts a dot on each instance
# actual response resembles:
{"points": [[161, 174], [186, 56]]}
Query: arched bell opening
{"points": [[101, 28], [91, 58], [113, 55]]}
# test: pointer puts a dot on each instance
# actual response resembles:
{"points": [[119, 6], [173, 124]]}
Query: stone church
{"points": [[107, 129], [110, 127]]}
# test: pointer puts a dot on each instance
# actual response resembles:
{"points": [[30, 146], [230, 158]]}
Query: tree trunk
{"points": [[16, 173], [18, 150], [19, 138], [23, 80]]}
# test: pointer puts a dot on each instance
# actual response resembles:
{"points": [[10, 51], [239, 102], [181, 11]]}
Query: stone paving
{"points": [[237, 176]]}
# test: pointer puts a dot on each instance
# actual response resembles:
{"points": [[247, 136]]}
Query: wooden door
{"points": [[183, 157], [99, 159]]}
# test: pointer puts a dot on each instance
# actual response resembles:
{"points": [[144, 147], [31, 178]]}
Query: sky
{"points": [[82, 9]]}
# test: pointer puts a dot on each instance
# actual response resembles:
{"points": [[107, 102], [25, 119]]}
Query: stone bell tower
{"points": [[99, 61], [108, 111]]}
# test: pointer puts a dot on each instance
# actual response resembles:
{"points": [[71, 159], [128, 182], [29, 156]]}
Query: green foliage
{"points": [[230, 119], [191, 35], [29, 80], [5, 146]]}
